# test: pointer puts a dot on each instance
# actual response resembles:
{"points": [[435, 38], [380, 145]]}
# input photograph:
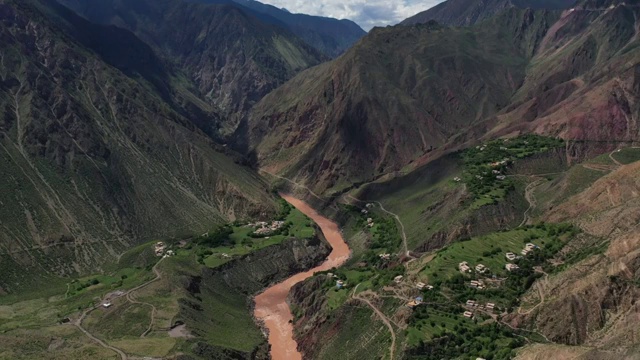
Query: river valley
{"points": [[271, 306]]}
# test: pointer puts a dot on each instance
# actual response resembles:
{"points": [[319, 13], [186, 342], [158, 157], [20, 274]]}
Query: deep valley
{"points": [[226, 179]]}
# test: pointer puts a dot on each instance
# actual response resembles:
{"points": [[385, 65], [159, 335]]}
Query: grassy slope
{"points": [[223, 316]]}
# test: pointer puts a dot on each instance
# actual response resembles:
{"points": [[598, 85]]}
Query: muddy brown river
{"points": [[271, 305]]}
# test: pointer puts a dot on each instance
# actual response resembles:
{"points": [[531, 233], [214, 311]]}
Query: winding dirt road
{"points": [[123, 355], [153, 308], [384, 319], [271, 305], [530, 197], [614, 159]]}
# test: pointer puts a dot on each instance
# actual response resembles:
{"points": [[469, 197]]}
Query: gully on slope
{"points": [[271, 306]]}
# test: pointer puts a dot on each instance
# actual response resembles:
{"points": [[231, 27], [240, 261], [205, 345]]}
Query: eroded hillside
{"points": [[406, 95], [94, 161]]}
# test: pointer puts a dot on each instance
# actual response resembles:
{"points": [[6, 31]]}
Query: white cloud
{"points": [[367, 13]]}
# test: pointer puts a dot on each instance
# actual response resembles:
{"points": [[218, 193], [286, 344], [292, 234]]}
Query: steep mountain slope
{"points": [[331, 36], [595, 302], [582, 84], [404, 91], [469, 12], [233, 56], [94, 161], [395, 96]]}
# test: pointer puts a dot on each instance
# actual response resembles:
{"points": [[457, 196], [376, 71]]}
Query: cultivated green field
{"points": [[241, 243], [488, 250]]}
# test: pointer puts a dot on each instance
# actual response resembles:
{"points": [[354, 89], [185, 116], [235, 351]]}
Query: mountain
{"points": [[404, 95], [398, 94], [331, 36], [232, 55], [469, 12], [96, 156]]}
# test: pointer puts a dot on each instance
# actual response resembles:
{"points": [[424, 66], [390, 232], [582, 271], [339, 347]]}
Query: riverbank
{"points": [[271, 307]]}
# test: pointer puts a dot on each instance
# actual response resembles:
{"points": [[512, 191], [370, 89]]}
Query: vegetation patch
{"points": [[226, 242], [486, 165]]}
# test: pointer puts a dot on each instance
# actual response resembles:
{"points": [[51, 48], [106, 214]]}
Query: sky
{"points": [[366, 13]]}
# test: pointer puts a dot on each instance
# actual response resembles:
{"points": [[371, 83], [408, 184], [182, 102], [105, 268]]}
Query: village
{"points": [[263, 228], [465, 286]]}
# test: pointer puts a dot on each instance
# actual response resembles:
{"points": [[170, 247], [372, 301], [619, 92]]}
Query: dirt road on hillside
{"points": [[123, 355]]}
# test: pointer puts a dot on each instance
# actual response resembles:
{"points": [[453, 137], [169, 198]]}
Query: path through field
{"points": [[123, 355]]}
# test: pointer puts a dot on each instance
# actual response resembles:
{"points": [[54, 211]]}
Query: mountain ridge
{"points": [[470, 12], [230, 55], [95, 160]]}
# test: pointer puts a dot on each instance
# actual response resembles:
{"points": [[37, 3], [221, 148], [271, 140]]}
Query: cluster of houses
{"points": [[465, 268], [369, 222], [160, 249], [488, 306], [264, 228], [472, 305], [477, 284]]}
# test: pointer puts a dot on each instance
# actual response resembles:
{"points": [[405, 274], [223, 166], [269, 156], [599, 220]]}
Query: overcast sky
{"points": [[367, 13]]}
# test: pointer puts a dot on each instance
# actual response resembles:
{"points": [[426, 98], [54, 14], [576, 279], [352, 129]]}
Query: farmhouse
{"points": [[159, 248], [398, 279], [490, 306], [471, 303], [464, 267], [510, 256], [468, 314], [339, 284], [421, 285], [511, 267], [106, 305], [369, 222], [481, 268]]}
